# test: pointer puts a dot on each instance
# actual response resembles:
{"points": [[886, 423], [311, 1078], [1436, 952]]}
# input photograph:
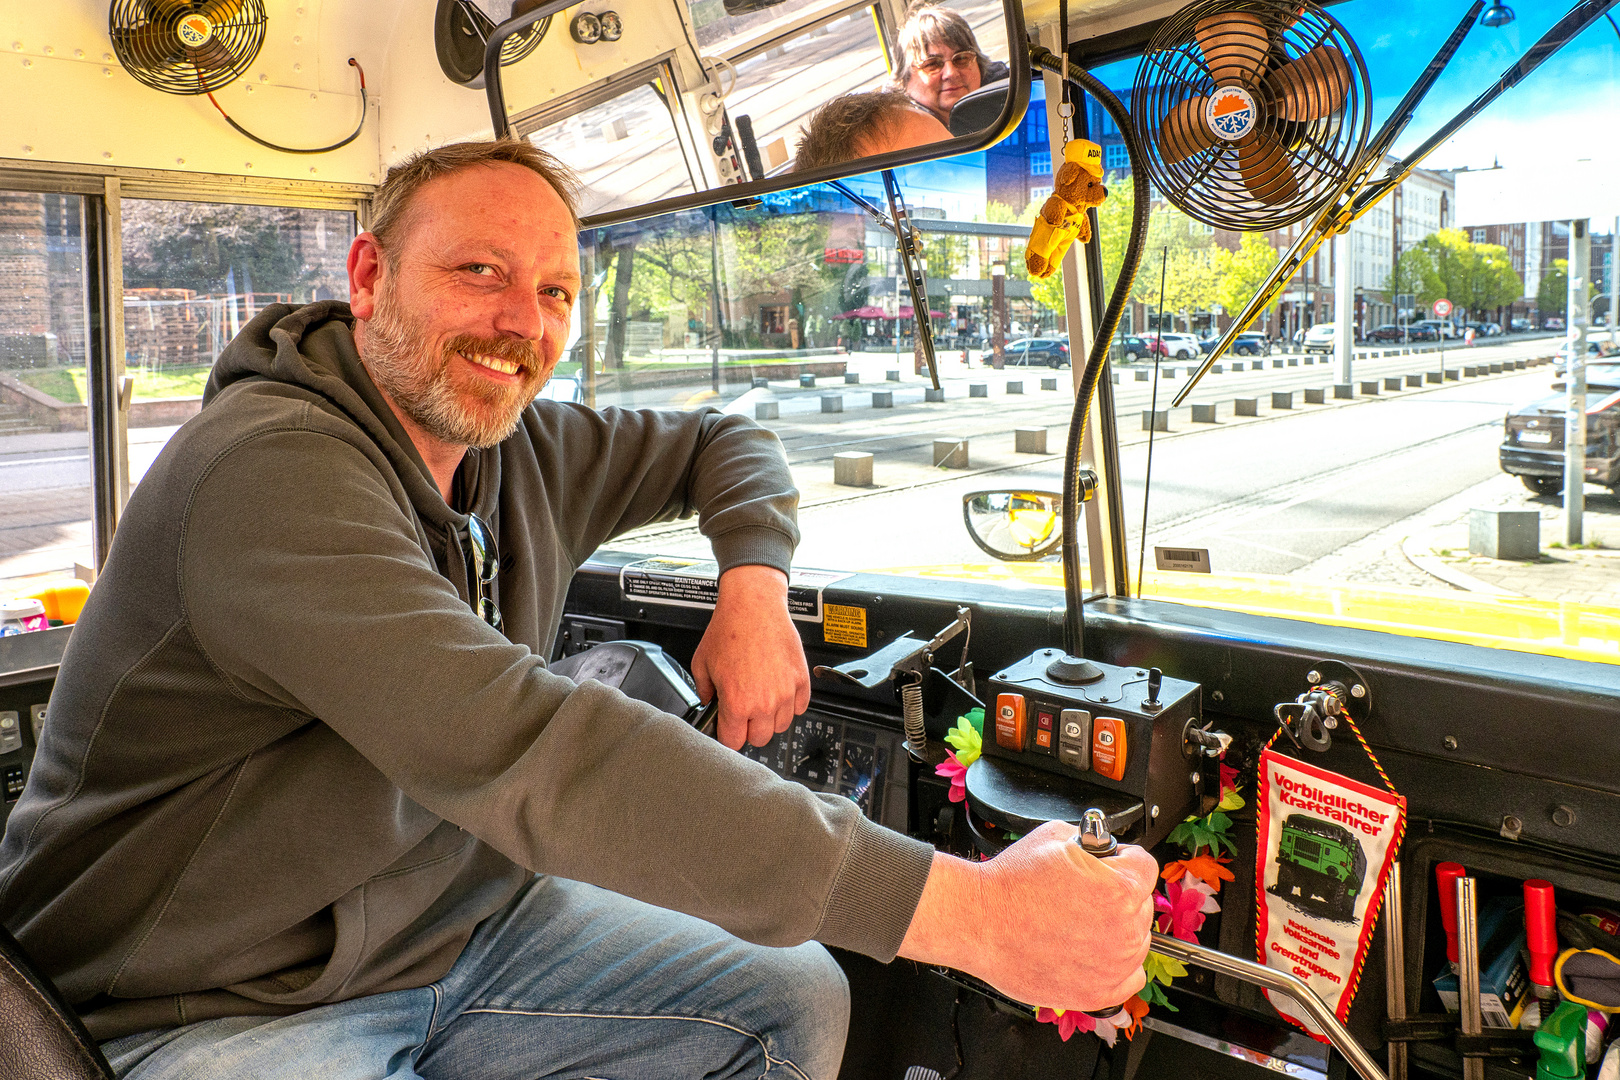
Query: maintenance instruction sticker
{"points": [[695, 583]]}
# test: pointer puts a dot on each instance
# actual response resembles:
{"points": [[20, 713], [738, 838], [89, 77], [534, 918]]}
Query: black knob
{"points": [[1073, 671], [1155, 680]]}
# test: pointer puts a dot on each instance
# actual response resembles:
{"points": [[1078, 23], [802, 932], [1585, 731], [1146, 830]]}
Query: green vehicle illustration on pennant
{"points": [[1320, 867]]}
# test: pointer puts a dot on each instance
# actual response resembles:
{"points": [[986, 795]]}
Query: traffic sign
{"points": [[1442, 308]]}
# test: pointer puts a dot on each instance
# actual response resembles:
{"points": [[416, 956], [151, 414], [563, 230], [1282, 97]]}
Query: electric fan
{"points": [[461, 29], [186, 46], [1253, 113]]}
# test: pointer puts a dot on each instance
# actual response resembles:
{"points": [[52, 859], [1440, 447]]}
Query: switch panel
{"points": [[1010, 721], [1093, 725], [10, 731], [15, 779]]}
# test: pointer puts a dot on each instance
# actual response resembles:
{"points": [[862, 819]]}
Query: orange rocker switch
{"points": [[1010, 732], [1108, 747]]}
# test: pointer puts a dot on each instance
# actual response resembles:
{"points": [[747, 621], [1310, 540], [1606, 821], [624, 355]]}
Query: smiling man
{"points": [[310, 803]]}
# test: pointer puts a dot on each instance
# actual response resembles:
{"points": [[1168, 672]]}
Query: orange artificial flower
{"points": [[1206, 868]]}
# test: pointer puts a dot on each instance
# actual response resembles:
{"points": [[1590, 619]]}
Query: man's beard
{"points": [[480, 413]]}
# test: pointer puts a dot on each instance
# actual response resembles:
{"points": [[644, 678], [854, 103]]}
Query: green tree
{"points": [[1552, 296], [1240, 273], [197, 246], [1414, 273], [1184, 255]]}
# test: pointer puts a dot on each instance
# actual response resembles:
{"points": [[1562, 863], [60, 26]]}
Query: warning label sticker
{"points": [[844, 625], [696, 583]]}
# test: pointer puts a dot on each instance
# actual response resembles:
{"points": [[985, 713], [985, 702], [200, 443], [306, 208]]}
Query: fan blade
{"points": [[1235, 45], [213, 55], [1263, 164], [152, 45], [1311, 87], [1184, 131], [221, 11]]}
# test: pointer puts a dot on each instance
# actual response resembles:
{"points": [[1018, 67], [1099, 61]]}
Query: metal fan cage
{"points": [[1319, 153], [186, 46]]}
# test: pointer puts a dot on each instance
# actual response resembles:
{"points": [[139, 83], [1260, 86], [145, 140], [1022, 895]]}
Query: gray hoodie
{"points": [[287, 765]]}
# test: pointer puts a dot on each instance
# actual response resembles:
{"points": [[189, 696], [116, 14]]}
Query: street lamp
{"points": [[998, 313], [1498, 14]]}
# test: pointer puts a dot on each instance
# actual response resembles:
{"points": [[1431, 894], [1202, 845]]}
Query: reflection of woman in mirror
{"points": [[860, 125], [940, 60]]}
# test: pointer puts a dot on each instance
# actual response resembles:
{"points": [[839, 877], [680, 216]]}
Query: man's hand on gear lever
{"points": [[1043, 922], [752, 658]]}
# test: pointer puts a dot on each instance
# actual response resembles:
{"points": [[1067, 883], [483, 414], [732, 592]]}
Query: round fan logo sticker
{"points": [[1230, 113], [194, 31]]}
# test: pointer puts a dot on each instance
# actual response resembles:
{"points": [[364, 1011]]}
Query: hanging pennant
{"points": [[1326, 845]]}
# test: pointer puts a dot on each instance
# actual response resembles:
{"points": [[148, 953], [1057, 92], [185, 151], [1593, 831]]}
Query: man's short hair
{"points": [[391, 202], [929, 24], [836, 127]]}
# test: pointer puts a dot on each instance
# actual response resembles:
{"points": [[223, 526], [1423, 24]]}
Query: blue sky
{"points": [[1568, 108]]}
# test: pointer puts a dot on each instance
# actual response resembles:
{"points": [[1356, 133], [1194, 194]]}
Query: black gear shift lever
{"points": [[1095, 840]]}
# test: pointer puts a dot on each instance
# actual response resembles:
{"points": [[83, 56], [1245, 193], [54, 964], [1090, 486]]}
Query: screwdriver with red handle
{"points": [[1541, 936], [1446, 875]]}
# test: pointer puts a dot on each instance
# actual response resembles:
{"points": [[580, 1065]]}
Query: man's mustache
{"points": [[522, 353]]}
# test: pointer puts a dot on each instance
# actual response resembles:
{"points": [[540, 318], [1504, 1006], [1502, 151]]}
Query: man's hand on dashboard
{"points": [[1043, 922], [752, 657]]}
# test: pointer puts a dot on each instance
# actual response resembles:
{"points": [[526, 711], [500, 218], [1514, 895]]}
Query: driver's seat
{"points": [[41, 1038]]}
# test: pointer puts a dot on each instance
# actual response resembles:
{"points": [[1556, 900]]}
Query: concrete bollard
{"points": [[930, 394], [979, 389], [852, 378], [883, 399], [807, 380], [1029, 440], [950, 453], [1245, 406], [1496, 369], [1113, 377], [1169, 372], [1281, 363], [1203, 414], [1392, 382], [1433, 377], [1155, 421], [1051, 384], [761, 384], [1452, 374], [1293, 361], [1015, 386], [832, 402], [767, 410], [1217, 369], [1370, 387], [1310, 360], [1142, 375], [1520, 365], [1343, 391], [892, 375], [1237, 365], [1315, 395], [1282, 399], [1504, 534], [852, 469], [1470, 371]]}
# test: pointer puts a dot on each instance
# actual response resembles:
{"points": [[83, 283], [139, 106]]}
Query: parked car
{"points": [[1553, 322], [1519, 326], [1319, 338], [1388, 332], [1180, 346], [1533, 440], [1130, 348], [1248, 343], [1049, 352], [1444, 329]]}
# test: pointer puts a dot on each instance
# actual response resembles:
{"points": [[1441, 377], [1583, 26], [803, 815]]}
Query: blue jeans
{"points": [[567, 980]]}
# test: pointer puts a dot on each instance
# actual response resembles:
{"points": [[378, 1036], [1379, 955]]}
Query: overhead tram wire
{"points": [[1074, 477]]}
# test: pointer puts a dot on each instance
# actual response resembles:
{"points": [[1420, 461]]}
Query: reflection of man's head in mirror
{"points": [[940, 59], [861, 125]]}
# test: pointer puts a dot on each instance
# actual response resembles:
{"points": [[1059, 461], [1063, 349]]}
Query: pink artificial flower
{"points": [[1229, 777], [956, 772], [1068, 1021], [1182, 906]]}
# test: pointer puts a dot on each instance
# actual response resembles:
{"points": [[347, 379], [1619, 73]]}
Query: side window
{"points": [[45, 500], [195, 274]]}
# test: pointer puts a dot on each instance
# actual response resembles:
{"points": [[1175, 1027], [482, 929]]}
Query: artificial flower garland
{"points": [[1188, 895]]}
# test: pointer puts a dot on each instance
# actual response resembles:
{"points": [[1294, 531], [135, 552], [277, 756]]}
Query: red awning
{"points": [[867, 312]]}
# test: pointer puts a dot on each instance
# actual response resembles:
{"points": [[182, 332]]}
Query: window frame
{"points": [[103, 191]]}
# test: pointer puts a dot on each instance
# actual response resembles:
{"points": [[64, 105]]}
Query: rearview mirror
{"points": [[690, 104], [1016, 526]]}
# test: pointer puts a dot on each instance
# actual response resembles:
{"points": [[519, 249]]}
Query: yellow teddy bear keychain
{"points": [[1063, 219]]}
